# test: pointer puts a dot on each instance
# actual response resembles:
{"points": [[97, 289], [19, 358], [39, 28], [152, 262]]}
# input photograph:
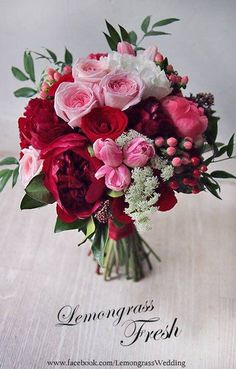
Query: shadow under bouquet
{"points": [[111, 139]]}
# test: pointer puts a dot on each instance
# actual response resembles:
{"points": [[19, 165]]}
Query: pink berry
{"points": [[195, 161], [159, 141], [184, 80], [50, 71], [188, 145], [43, 95], [171, 151], [158, 58], [203, 168], [185, 181], [50, 78], [169, 68], [192, 182], [67, 69], [44, 86], [172, 141], [195, 190], [196, 173], [176, 162], [174, 185], [188, 139], [57, 76]]}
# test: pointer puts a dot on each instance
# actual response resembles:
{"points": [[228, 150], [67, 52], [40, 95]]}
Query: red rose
{"points": [[69, 176], [167, 199], [40, 124], [104, 122], [64, 78]]}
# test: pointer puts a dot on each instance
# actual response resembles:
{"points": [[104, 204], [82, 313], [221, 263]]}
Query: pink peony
{"points": [[121, 90], [125, 48], [108, 151], [90, 70], [137, 152], [30, 165], [117, 179], [187, 118], [73, 101]]}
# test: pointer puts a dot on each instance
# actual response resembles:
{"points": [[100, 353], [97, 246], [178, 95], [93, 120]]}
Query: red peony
{"points": [[148, 118], [40, 124], [97, 56], [69, 176], [65, 78], [104, 122]]}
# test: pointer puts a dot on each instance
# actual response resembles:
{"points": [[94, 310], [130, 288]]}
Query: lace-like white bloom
{"points": [[142, 197], [128, 136], [156, 82], [167, 172], [166, 169]]}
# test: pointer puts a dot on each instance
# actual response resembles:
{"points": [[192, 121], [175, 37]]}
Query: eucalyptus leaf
{"points": [[230, 147], [113, 33], [164, 22], [68, 57], [29, 65], [145, 23], [124, 34], [5, 175], [52, 55], [18, 74], [222, 174], [110, 42], [133, 37], [25, 92], [38, 191], [10, 160], [29, 203], [156, 33], [15, 175]]}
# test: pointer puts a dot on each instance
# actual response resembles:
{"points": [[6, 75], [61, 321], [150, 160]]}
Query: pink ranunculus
{"points": [[108, 151], [188, 119], [30, 165], [137, 152], [90, 70], [73, 101], [117, 179], [125, 47], [122, 90]]}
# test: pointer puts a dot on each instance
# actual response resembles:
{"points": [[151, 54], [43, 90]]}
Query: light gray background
{"points": [[202, 44]]}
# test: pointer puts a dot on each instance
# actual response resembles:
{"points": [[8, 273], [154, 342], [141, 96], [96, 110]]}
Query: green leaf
{"points": [[124, 34], [38, 191], [15, 175], [113, 33], [29, 65], [115, 194], [61, 226], [10, 160], [210, 186], [5, 175], [222, 174], [25, 92], [52, 55], [139, 48], [68, 57], [18, 74], [110, 42], [91, 151], [133, 37], [89, 231], [230, 147], [164, 22], [99, 243], [212, 129], [156, 33], [29, 203], [145, 24]]}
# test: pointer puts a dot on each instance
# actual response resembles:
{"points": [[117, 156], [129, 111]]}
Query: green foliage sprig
{"points": [[6, 174]]}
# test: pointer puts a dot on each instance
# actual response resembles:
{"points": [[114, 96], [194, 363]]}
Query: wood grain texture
{"points": [[40, 272]]}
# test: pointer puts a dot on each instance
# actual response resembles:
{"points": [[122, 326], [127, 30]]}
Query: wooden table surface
{"points": [[195, 283]]}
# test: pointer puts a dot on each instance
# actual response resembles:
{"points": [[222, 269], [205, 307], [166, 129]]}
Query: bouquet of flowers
{"points": [[111, 139]]}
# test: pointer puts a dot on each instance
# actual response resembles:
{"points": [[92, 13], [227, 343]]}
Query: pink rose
{"points": [[30, 165], [186, 116], [137, 152], [108, 151], [90, 70], [117, 179], [125, 48], [122, 90], [73, 101]]}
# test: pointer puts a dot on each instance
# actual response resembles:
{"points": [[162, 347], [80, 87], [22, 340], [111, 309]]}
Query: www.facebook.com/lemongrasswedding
{"points": [[135, 327]]}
